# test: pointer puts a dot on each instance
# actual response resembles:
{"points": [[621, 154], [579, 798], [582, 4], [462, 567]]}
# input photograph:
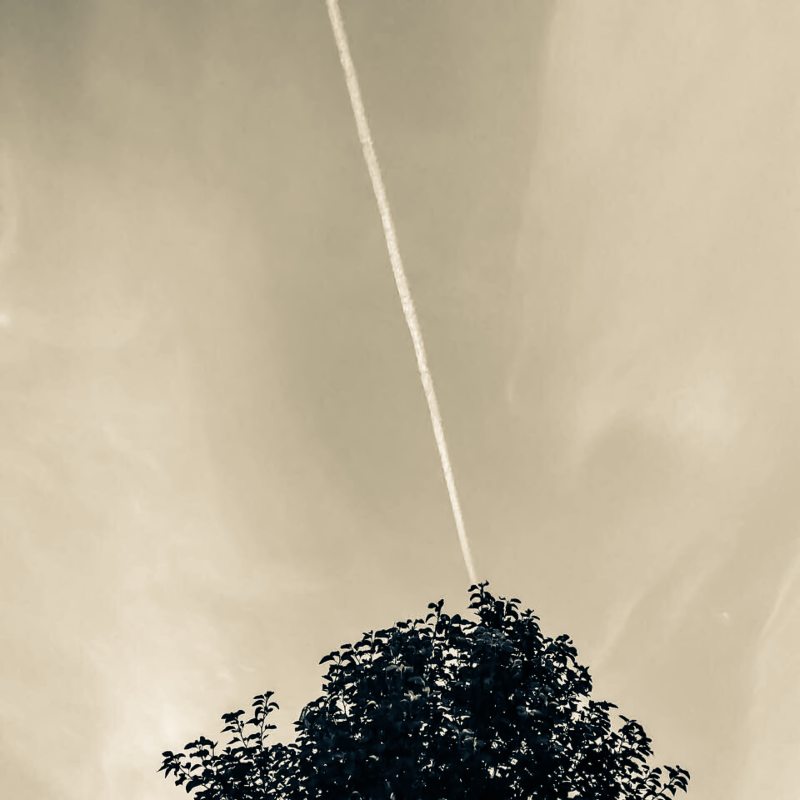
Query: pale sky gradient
{"points": [[215, 460]]}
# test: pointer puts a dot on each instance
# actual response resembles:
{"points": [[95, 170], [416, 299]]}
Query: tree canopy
{"points": [[440, 708]]}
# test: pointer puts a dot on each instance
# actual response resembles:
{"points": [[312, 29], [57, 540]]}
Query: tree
{"points": [[440, 708]]}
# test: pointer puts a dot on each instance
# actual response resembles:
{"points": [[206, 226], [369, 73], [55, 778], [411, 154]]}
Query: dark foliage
{"points": [[444, 708]]}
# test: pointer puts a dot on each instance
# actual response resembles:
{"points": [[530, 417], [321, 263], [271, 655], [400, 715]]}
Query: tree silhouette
{"points": [[440, 708]]}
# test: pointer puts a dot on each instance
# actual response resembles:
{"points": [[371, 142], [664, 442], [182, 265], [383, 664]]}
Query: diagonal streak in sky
{"points": [[403, 290]]}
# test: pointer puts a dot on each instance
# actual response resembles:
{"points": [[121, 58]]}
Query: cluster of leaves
{"points": [[440, 708], [247, 768]]}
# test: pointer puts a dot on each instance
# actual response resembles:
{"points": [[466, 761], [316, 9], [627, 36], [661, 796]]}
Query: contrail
{"points": [[371, 160]]}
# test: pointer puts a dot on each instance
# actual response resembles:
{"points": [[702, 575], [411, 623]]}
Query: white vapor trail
{"points": [[371, 160]]}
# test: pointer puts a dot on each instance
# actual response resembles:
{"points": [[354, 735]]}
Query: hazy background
{"points": [[216, 459]]}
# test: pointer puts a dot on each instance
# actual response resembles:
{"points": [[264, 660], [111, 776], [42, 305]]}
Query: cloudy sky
{"points": [[215, 458]]}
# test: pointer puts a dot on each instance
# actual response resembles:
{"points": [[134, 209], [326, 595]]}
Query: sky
{"points": [[216, 463]]}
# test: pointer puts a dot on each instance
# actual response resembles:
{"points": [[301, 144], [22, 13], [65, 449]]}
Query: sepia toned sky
{"points": [[215, 458]]}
